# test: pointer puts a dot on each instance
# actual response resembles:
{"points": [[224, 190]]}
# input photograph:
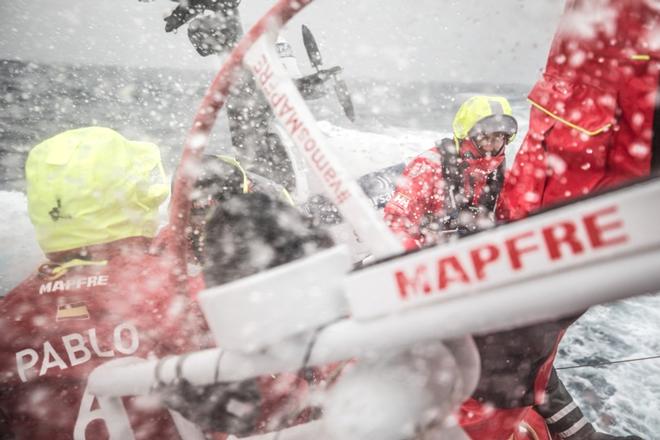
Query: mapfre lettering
{"points": [[76, 349], [73, 284], [556, 241]]}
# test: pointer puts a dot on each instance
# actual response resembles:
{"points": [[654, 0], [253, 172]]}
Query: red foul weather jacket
{"points": [[591, 123], [441, 192], [57, 329]]}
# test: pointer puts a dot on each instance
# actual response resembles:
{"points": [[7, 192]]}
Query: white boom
{"points": [[553, 264]]}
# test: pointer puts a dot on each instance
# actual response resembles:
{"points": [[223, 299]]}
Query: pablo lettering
{"points": [[76, 349]]}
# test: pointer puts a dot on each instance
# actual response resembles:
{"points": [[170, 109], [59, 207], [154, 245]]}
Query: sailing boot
{"points": [[563, 417]]}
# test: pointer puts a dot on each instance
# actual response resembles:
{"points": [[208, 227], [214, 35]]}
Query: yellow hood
{"points": [[484, 113], [91, 186]]}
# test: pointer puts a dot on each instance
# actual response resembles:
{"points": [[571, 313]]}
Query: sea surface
{"points": [[158, 105]]}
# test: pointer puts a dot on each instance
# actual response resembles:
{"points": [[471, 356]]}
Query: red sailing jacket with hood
{"points": [[57, 329], [592, 116]]}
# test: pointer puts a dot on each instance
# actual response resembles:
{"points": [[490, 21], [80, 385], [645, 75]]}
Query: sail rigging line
{"points": [[607, 363]]}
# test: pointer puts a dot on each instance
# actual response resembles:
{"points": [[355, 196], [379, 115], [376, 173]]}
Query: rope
{"points": [[606, 363]]}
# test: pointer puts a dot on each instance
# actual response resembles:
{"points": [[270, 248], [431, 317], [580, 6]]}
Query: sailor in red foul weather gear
{"points": [[232, 228], [452, 188], [93, 198], [594, 125], [592, 117]]}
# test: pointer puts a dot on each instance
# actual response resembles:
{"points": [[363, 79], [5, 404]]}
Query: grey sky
{"points": [[466, 40]]}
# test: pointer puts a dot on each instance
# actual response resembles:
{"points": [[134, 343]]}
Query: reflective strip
{"points": [[561, 413], [570, 124], [640, 57], [573, 429]]}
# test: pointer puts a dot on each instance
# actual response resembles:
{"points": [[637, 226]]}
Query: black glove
{"points": [[232, 408], [321, 210], [214, 34], [185, 12]]}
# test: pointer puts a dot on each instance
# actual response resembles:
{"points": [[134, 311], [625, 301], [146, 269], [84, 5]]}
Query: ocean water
{"points": [[395, 121], [158, 105], [38, 101]]}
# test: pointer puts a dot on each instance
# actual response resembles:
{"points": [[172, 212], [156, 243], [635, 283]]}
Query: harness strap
{"points": [[57, 270]]}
